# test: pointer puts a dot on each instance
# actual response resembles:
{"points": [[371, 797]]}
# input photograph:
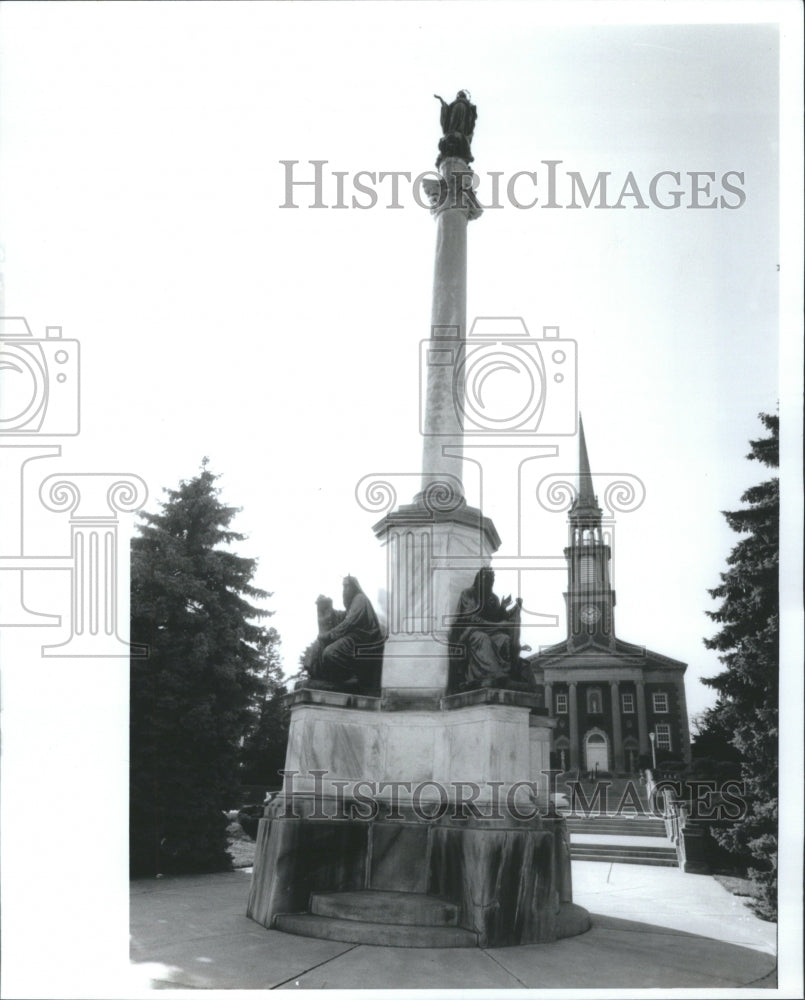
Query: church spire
{"points": [[590, 598], [585, 510], [586, 496]]}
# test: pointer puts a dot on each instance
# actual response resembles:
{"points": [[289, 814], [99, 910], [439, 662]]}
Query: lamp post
{"points": [[653, 752]]}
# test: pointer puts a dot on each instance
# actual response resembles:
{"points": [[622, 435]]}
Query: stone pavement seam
{"points": [[763, 979], [507, 971], [318, 965]]}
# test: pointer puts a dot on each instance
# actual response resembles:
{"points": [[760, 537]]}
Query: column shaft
{"points": [[445, 353], [574, 725], [617, 736], [642, 730]]}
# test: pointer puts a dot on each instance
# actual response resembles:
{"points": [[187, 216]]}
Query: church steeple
{"points": [[590, 599], [585, 514]]}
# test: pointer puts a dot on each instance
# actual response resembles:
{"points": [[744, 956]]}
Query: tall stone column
{"points": [[549, 698], [453, 204], [573, 708], [437, 544], [642, 728], [617, 736]]}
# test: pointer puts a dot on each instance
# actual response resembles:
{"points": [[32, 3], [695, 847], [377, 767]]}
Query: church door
{"points": [[595, 747]]}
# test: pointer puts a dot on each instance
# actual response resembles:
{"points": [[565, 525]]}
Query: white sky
{"points": [[141, 189]]}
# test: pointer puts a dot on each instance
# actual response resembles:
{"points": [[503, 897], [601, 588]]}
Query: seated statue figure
{"points": [[327, 617], [348, 652], [486, 639]]}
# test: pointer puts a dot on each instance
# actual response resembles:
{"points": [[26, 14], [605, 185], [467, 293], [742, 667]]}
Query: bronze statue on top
{"points": [[458, 126], [486, 640], [347, 654]]}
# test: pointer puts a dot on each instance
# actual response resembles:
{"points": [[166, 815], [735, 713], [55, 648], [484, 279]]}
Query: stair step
{"points": [[642, 849], [594, 817], [385, 907], [364, 932], [626, 860], [664, 856], [627, 829], [599, 817], [580, 816]]}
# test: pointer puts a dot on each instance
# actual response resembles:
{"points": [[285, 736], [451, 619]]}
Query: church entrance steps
{"points": [[388, 919], [615, 825], [626, 790], [617, 840], [622, 855], [638, 841]]}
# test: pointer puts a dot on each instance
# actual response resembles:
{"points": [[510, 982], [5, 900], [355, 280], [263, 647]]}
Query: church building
{"points": [[612, 700]]}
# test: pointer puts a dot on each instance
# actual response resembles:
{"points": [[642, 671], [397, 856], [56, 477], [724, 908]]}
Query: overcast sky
{"points": [[142, 181]]}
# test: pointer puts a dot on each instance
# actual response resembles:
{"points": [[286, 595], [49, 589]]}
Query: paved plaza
{"points": [[652, 927]]}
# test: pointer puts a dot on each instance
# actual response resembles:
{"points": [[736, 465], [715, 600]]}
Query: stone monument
{"points": [[420, 815]]}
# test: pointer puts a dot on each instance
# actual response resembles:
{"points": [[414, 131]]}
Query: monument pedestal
{"points": [[447, 804], [490, 741]]}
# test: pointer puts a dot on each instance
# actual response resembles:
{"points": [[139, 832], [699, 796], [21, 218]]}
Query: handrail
{"points": [[675, 815]]}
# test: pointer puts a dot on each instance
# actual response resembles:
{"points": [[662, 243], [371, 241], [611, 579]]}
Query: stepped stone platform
{"points": [[386, 907], [393, 919]]}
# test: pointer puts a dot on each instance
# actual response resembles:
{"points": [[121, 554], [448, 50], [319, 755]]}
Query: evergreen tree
{"points": [[192, 697], [711, 746], [263, 753], [748, 689]]}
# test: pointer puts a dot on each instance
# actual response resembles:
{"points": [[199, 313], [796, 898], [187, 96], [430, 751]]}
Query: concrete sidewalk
{"points": [[652, 927]]}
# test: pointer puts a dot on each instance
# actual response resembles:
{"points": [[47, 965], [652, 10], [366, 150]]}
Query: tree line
{"points": [[740, 732]]}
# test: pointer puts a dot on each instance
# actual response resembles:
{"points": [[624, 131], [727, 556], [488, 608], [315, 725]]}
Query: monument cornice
{"points": [[420, 515]]}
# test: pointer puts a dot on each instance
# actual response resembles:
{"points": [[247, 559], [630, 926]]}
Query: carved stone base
{"points": [[437, 801], [510, 885]]}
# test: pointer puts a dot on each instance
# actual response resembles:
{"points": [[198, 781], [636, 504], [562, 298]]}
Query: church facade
{"points": [[616, 703]]}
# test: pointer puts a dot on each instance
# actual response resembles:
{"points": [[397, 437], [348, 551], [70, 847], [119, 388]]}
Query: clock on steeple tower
{"points": [[589, 598]]}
